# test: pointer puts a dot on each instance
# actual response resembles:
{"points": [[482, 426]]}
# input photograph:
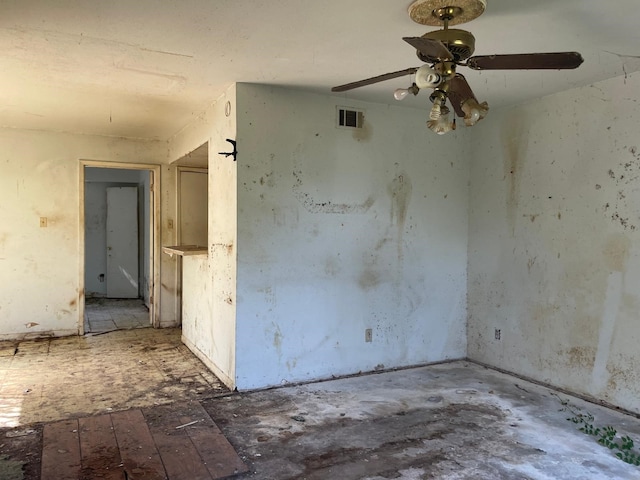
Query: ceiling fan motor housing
{"points": [[459, 42]]}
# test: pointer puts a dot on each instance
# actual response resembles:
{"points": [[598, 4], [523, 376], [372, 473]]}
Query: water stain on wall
{"points": [[369, 279], [400, 191], [581, 357], [622, 370], [277, 339], [630, 303], [332, 266], [616, 252], [514, 141], [285, 216], [62, 313], [363, 134]]}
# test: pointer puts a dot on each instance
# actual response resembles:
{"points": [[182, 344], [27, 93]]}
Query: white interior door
{"points": [[122, 242]]}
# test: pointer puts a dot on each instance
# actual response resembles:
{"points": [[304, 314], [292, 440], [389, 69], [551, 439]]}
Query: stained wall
{"points": [[342, 230], [554, 241], [209, 283], [40, 266]]}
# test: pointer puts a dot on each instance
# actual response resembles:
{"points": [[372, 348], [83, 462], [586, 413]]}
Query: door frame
{"points": [[154, 240]]}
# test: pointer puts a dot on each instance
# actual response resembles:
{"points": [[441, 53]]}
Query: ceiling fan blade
{"points": [[459, 92], [430, 48], [527, 61], [372, 80]]}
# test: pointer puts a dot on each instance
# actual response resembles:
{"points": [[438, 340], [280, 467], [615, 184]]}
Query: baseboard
{"points": [[581, 396], [38, 335], [223, 377]]}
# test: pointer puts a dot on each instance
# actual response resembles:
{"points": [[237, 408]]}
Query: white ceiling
{"points": [[146, 68]]}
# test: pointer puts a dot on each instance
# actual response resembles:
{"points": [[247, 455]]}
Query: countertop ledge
{"points": [[185, 250]]}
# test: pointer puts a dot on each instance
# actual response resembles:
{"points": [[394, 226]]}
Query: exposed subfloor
{"points": [[109, 314], [452, 421]]}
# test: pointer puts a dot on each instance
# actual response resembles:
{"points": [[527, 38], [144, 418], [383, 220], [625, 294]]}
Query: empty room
{"points": [[289, 239]]}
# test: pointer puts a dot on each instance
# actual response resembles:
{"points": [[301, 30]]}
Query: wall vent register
{"points": [[350, 118]]}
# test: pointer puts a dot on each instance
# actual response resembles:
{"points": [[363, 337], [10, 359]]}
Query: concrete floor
{"points": [[451, 421]]}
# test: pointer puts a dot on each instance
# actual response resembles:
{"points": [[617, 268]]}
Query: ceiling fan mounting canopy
{"points": [[435, 12]]}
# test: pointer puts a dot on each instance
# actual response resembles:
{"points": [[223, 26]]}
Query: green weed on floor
{"points": [[623, 446]]}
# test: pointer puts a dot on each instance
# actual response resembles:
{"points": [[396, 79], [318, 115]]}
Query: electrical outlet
{"points": [[43, 222], [368, 335], [497, 334]]}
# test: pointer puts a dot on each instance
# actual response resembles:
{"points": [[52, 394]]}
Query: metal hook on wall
{"points": [[235, 150]]}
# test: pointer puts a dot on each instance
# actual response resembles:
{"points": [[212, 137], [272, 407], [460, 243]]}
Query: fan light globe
{"points": [[474, 111], [427, 77], [441, 124]]}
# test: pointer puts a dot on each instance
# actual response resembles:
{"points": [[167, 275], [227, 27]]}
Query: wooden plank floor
{"points": [[173, 442]]}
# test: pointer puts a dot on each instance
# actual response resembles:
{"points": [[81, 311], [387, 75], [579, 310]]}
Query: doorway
{"points": [[119, 222], [192, 197]]}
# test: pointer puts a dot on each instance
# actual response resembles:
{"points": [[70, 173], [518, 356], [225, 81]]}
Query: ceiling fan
{"points": [[444, 50]]}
